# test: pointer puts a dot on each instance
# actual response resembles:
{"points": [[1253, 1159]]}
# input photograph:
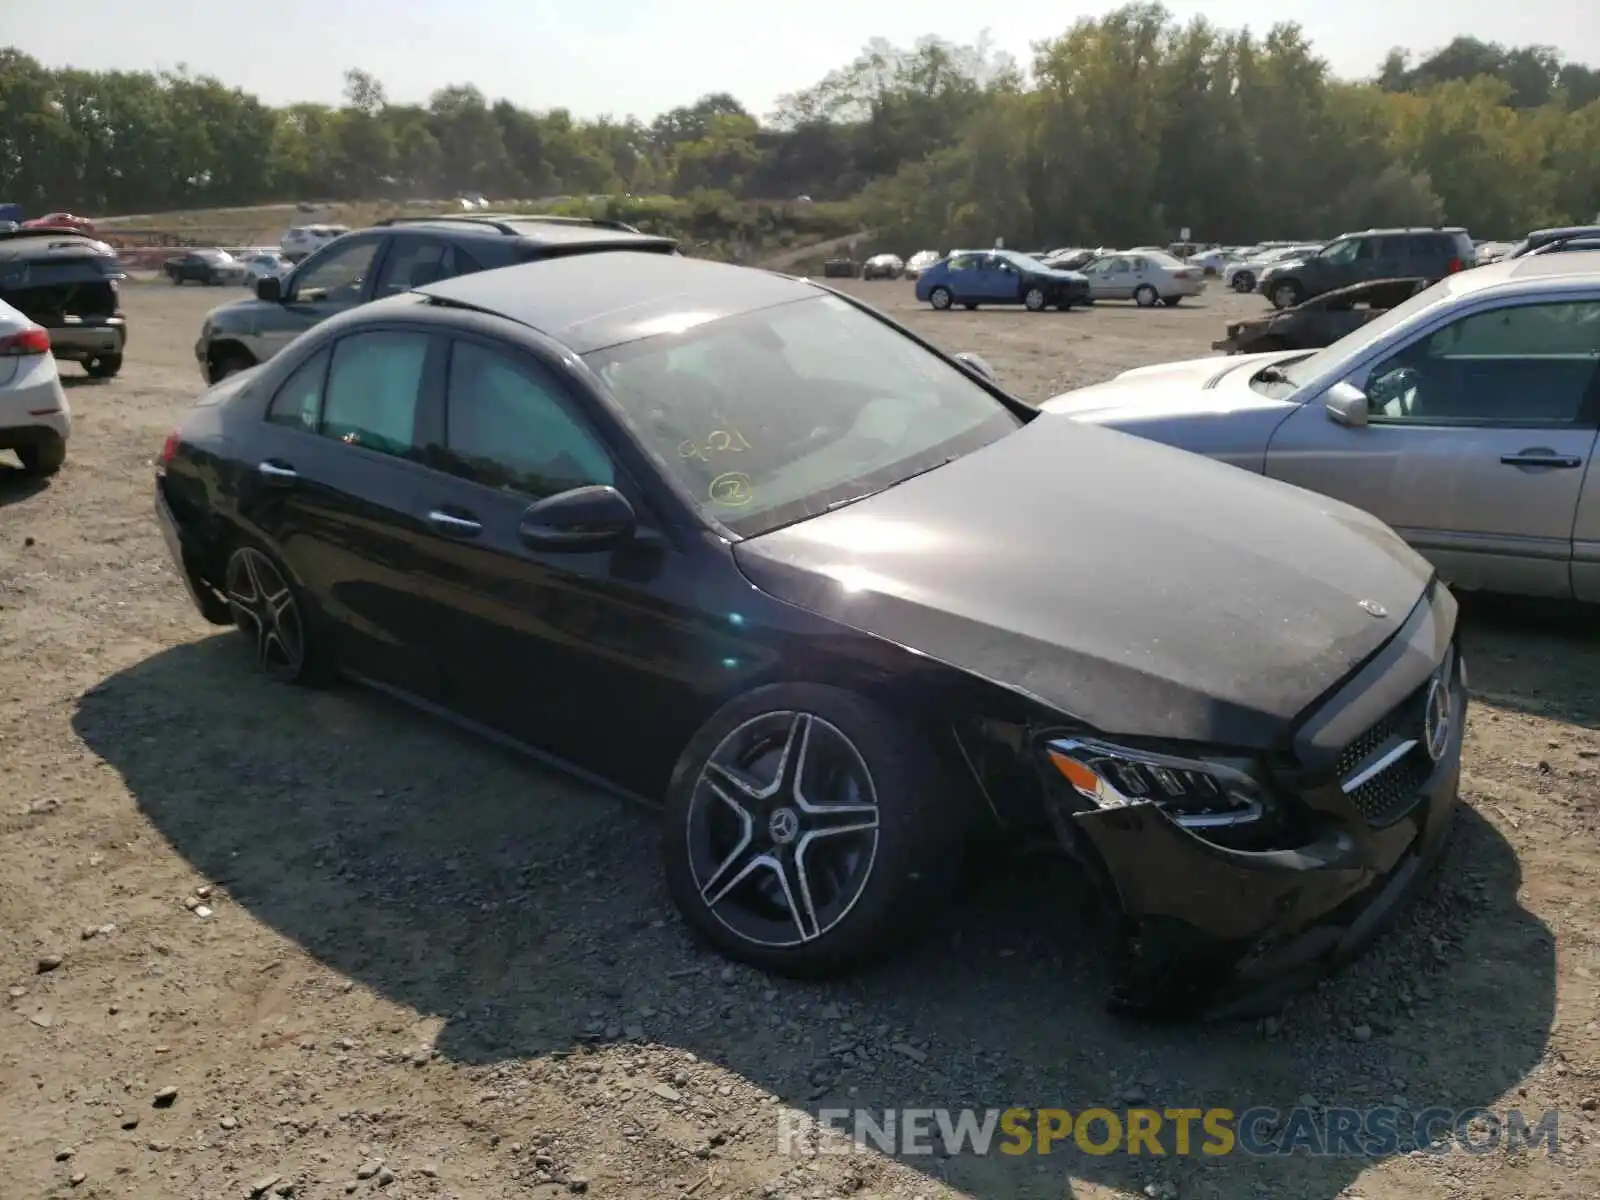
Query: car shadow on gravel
{"points": [[16, 485], [528, 912]]}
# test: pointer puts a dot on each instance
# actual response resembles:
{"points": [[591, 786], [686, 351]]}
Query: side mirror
{"points": [[1347, 404], [269, 288], [584, 518], [978, 365]]}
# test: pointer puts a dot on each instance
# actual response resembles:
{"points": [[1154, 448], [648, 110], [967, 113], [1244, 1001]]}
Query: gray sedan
{"points": [[1465, 418]]}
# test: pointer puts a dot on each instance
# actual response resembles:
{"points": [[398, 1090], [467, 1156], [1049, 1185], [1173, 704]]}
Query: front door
{"points": [[572, 652], [1113, 279], [1479, 438], [335, 278], [334, 491]]}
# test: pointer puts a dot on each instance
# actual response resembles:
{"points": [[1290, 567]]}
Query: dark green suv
{"points": [[394, 256], [1368, 255]]}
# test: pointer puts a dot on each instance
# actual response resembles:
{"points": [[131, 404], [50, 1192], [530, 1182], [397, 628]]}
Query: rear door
{"points": [[334, 490], [1390, 255], [965, 278], [1479, 441], [334, 279]]}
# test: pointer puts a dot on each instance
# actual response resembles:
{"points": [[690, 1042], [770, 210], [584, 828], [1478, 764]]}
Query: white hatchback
{"points": [[35, 420], [301, 240]]}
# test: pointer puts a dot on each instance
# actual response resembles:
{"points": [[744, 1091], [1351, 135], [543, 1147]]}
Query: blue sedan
{"points": [[974, 277]]}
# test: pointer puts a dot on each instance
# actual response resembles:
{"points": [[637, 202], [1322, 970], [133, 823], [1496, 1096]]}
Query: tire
{"points": [[177, 279], [270, 613], [104, 367], [970, 307], [895, 854], [1287, 294], [941, 299], [1034, 299], [1172, 301], [1146, 296], [231, 363], [43, 459], [1244, 281]]}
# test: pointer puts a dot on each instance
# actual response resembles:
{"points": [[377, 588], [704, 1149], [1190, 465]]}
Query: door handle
{"points": [[1541, 458], [277, 472], [453, 526]]}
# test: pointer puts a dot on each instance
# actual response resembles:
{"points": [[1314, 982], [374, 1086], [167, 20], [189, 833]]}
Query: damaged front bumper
{"points": [[1205, 923]]}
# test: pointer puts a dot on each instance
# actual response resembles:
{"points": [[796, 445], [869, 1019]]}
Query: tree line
{"points": [[1123, 129]]}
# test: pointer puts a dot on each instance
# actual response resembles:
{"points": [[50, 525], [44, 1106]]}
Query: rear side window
{"points": [[299, 400], [1429, 245], [371, 395]]}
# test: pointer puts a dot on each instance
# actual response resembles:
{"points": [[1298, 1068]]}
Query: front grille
{"points": [[1387, 795]]}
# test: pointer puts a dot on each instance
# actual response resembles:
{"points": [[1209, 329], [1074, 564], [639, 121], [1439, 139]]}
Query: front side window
{"points": [[768, 417], [373, 385], [1523, 364], [411, 262], [507, 427], [1343, 253], [336, 276]]}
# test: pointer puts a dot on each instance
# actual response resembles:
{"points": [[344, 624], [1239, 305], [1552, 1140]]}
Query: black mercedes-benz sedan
{"points": [[736, 543]]}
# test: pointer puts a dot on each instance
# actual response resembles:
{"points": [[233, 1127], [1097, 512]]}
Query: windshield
{"points": [[773, 416], [1026, 261], [1352, 345]]}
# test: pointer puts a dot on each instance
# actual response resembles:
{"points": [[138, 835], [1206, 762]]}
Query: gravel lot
{"points": [[422, 965]]}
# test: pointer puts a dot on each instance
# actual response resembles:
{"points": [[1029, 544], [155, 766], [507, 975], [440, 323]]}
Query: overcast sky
{"points": [[645, 56]]}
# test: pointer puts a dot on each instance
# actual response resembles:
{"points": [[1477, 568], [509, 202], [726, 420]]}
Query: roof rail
{"points": [[502, 222]]}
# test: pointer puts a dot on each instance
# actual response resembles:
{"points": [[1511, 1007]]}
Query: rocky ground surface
{"points": [[257, 941]]}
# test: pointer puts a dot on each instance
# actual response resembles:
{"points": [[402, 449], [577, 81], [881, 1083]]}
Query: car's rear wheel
{"points": [[1172, 301], [1244, 281], [1145, 296], [43, 458], [807, 829], [1034, 299], [103, 366], [940, 298], [268, 612]]}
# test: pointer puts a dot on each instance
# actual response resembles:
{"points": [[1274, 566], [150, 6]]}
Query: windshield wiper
{"points": [[943, 462]]}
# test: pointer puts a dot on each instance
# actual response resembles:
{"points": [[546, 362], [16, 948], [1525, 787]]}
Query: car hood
{"points": [[1141, 589], [1216, 385], [242, 314], [1287, 264], [1066, 276]]}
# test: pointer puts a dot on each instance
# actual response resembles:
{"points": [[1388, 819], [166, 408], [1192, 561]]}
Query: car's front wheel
{"points": [[807, 829], [1244, 281], [1287, 294], [268, 612], [940, 298]]}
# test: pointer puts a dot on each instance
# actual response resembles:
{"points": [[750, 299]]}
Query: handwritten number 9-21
{"points": [[719, 441]]}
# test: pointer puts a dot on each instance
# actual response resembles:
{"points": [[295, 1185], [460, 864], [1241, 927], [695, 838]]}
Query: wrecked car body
{"points": [[1320, 321], [68, 283]]}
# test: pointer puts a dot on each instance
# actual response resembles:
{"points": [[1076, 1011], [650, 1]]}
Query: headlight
{"points": [[1198, 793]]}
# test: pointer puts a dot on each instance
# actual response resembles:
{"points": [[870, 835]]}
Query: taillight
{"points": [[169, 448], [1455, 265], [32, 340]]}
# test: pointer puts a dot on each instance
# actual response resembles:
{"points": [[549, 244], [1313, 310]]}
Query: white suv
{"points": [[35, 421], [301, 240]]}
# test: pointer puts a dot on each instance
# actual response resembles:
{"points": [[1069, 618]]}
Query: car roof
{"points": [[1527, 273], [590, 302], [566, 233], [1562, 231]]}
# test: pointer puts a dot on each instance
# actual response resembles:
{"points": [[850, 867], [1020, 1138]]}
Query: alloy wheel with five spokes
{"points": [[782, 829], [265, 610], [806, 828]]}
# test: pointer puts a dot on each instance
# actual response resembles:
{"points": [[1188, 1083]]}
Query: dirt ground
{"points": [[370, 952]]}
